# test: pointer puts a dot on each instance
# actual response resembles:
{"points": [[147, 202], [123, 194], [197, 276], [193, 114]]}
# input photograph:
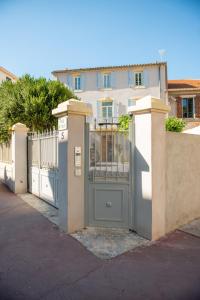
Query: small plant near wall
{"points": [[174, 124], [124, 121]]}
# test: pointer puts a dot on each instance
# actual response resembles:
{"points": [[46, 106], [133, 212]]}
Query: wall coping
{"points": [[149, 104], [19, 127], [72, 106]]}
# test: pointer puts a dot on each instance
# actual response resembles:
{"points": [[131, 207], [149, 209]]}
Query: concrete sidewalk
{"points": [[37, 261]]}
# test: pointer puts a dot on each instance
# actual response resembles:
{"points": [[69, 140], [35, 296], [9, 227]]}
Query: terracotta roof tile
{"points": [[184, 84]]}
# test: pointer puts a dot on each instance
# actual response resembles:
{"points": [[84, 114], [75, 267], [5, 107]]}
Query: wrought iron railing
{"points": [[109, 153], [108, 121]]}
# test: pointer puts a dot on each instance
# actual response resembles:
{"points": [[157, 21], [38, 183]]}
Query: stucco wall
{"points": [[119, 96], [182, 179]]}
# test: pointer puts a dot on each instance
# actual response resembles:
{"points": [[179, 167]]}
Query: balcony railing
{"points": [[107, 121]]}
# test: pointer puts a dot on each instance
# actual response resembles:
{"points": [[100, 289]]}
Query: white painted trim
{"points": [[106, 89], [194, 112], [188, 96], [139, 87]]}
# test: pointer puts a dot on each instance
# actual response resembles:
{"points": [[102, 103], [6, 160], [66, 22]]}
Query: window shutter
{"points": [[70, 82], [179, 107], [99, 110], [115, 109], [130, 78], [145, 78], [131, 102], [83, 79], [99, 80], [113, 80], [197, 106]]}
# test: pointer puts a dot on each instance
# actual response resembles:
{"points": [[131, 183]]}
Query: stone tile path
{"points": [[107, 243]]}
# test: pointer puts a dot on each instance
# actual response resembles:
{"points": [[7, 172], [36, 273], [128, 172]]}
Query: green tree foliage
{"points": [[124, 121], [174, 124], [30, 101]]}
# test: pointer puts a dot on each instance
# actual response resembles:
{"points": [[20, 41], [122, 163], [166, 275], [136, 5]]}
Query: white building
{"points": [[6, 75], [111, 90]]}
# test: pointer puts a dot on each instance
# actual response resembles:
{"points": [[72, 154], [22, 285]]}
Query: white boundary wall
{"points": [[6, 174], [14, 174], [6, 168]]}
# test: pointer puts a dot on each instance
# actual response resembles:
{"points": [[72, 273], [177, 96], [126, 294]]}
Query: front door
{"points": [[108, 188]]}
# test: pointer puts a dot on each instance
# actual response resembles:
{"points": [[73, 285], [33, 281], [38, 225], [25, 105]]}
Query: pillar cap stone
{"points": [[72, 106], [149, 104], [19, 127]]}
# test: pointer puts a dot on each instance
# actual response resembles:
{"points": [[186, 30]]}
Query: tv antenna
{"points": [[162, 53]]}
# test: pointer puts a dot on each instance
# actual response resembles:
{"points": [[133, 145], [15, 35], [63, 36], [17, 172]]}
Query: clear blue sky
{"points": [[38, 36]]}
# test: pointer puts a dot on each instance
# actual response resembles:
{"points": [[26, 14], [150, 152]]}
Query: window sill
{"points": [[78, 91], [189, 118], [106, 89], [139, 87]]}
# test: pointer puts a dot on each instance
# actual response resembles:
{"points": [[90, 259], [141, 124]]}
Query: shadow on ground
{"points": [[37, 261]]}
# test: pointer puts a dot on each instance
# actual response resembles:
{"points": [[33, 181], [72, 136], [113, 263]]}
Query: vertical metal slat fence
{"points": [[6, 153]]}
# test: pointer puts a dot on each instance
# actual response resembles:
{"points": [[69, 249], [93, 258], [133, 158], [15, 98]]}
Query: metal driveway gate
{"points": [[43, 166], [108, 177]]}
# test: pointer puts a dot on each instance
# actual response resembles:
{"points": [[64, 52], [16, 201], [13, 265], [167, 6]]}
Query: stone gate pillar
{"points": [[19, 158], [71, 116], [149, 166]]}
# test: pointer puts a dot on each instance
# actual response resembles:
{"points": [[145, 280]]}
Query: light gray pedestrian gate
{"points": [[43, 166], [108, 178]]}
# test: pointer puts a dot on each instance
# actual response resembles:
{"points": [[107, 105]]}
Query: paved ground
{"points": [[37, 261], [192, 228], [47, 210], [107, 243]]}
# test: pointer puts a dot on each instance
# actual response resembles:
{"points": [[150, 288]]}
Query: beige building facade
{"points": [[112, 90], [6, 75]]}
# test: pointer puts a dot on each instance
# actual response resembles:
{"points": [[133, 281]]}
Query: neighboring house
{"points": [[6, 75], [111, 90], [184, 98]]}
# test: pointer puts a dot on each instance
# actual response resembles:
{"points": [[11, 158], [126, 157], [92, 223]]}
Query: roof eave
{"points": [[14, 77], [107, 67]]}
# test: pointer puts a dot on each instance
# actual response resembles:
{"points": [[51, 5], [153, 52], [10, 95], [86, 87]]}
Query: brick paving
{"points": [[37, 261]]}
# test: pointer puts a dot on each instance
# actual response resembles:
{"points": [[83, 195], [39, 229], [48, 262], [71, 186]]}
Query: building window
{"points": [[77, 83], [107, 81], [139, 79], [8, 78], [131, 102], [187, 107], [107, 109]]}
